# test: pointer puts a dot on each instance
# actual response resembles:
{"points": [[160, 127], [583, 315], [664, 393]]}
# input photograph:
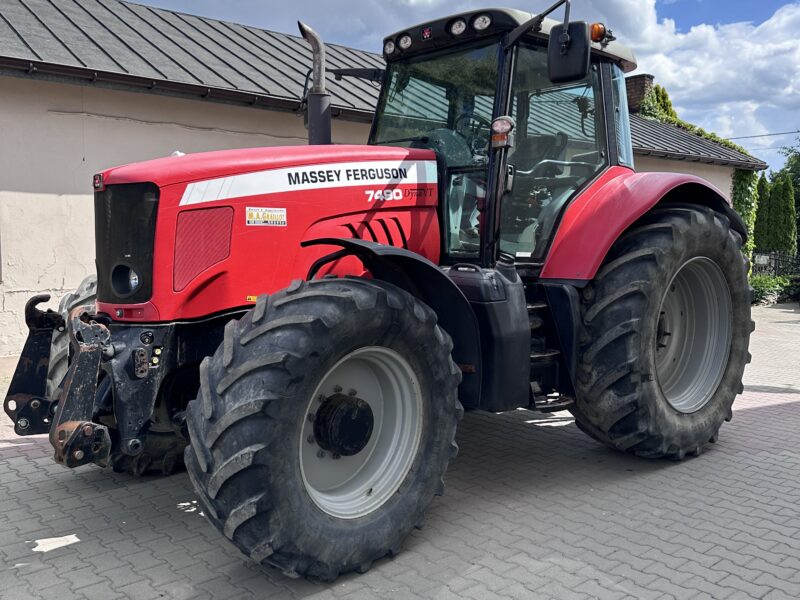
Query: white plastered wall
{"points": [[719, 176], [55, 136]]}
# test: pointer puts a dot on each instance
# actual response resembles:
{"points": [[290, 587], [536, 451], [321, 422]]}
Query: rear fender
{"points": [[422, 278], [619, 197]]}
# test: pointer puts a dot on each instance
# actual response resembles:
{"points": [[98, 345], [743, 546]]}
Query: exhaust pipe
{"points": [[318, 102]]}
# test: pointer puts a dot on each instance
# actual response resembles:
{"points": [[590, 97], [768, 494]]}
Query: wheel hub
{"points": [[356, 447], [343, 425], [693, 335]]}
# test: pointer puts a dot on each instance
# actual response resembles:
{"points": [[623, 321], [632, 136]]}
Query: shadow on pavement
{"points": [[772, 389]]}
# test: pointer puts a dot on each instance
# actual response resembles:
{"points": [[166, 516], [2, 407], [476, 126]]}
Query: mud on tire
{"points": [[248, 425], [620, 401]]}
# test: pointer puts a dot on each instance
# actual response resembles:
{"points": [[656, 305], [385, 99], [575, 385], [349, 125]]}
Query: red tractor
{"points": [[304, 326]]}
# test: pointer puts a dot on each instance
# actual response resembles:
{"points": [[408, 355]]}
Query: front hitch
{"points": [[67, 417], [26, 403], [76, 439]]}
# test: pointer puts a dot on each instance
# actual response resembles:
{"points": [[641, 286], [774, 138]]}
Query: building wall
{"points": [[720, 177], [55, 136]]}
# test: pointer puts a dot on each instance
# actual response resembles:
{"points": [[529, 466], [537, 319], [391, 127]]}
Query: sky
{"points": [[730, 66]]}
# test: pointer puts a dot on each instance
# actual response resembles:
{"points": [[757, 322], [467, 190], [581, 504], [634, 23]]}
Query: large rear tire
{"points": [[324, 425], [666, 327]]}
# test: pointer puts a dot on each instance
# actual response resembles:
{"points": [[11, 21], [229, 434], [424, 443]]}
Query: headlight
{"points": [[388, 47], [482, 22], [458, 27], [133, 279], [124, 280], [404, 42]]}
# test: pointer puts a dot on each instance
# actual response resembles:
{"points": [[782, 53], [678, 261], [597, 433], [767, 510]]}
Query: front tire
{"points": [[324, 425], [666, 327], [59, 347]]}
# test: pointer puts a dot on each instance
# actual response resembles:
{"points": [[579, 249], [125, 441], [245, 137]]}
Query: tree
{"points": [[657, 105], [664, 103], [789, 222], [761, 229], [792, 168], [782, 218]]}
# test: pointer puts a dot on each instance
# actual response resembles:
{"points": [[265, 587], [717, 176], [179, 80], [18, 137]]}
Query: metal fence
{"points": [[775, 263]]}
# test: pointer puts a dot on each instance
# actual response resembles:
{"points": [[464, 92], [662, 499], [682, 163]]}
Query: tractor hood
{"points": [[195, 235], [210, 165]]}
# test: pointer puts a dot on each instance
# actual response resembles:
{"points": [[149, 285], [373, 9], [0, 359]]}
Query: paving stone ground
{"points": [[533, 509]]}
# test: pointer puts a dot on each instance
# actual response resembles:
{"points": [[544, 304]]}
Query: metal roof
{"points": [[122, 44], [653, 138]]}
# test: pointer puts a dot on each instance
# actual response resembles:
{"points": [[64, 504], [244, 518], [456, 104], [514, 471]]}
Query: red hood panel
{"points": [[207, 165], [230, 224]]}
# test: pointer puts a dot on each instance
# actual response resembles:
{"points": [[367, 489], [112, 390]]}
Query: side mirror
{"points": [[568, 52]]}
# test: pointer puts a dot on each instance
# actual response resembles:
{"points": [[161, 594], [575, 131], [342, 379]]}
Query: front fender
{"points": [[419, 276], [617, 199]]}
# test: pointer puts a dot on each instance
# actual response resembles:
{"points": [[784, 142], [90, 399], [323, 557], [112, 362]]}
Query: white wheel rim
{"points": [[349, 487], [696, 316]]}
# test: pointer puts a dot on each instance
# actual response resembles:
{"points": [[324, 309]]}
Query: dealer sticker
{"points": [[273, 217]]}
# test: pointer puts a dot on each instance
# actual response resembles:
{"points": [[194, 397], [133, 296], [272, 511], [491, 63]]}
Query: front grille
{"points": [[125, 229]]}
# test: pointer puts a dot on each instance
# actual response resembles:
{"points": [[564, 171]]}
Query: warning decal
{"points": [[273, 217]]}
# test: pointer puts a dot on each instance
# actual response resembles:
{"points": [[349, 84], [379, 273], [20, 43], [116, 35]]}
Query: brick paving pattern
{"points": [[533, 509]]}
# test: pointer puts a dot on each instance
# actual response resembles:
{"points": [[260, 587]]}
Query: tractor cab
{"points": [[448, 80]]}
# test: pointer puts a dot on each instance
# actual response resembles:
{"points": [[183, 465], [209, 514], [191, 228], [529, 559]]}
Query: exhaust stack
{"points": [[318, 102]]}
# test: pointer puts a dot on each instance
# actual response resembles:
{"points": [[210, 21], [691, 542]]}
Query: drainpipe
{"points": [[318, 100]]}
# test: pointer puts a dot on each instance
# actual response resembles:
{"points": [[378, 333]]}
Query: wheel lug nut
{"points": [[336, 456], [337, 389], [310, 439], [311, 417], [352, 393], [320, 454], [321, 398]]}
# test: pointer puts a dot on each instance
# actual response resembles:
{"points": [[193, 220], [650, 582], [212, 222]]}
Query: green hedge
{"points": [[769, 288], [792, 291]]}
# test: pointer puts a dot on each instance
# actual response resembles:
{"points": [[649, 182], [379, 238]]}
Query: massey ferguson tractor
{"points": [[304, 326]]}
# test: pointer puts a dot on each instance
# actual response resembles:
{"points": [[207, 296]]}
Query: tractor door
{"points": [[560, 147], [445, 101]]}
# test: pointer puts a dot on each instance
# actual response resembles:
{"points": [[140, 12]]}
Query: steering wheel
{"points": [[478, 140]]}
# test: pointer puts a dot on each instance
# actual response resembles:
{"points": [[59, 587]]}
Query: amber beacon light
{"points": [[599, 32]]}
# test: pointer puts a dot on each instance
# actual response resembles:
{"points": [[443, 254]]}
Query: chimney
{"points": [[637, 87]]}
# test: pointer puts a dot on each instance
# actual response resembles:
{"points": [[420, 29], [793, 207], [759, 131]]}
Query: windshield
{"points": [[441, 101]]}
